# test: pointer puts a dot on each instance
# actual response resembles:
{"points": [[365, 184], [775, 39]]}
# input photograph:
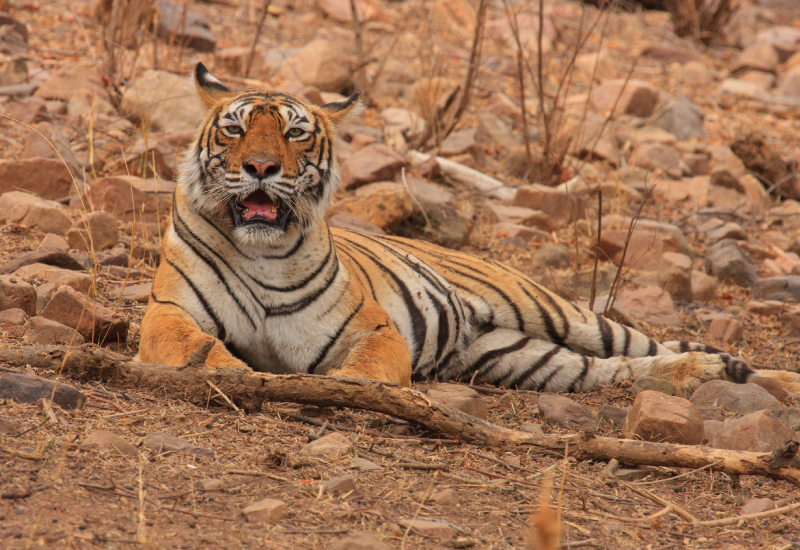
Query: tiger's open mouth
{"points": [[260, 209]]}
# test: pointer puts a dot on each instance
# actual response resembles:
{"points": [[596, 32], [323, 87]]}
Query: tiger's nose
{"points": [[261, 169]]}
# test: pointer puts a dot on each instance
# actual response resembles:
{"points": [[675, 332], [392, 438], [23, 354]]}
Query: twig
{"points": [[422, 466], [27, 455], [10, 495], [225, 397], [597, 248], [416, 201], [421, 504], [360, 80], [256, 38], [760, 515], [257, 473], [680, 476], [321, 431], [198, 357], [658, 500], [522, 481], [373, 433]]}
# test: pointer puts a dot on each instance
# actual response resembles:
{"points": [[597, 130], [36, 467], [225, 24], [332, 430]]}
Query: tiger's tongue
{"points": [[258, 204]]}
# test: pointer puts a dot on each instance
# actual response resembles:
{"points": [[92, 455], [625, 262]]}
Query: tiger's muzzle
{"points": [[260, 209]]}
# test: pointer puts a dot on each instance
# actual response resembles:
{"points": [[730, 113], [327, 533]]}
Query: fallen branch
{"points": [[252, 389], [467, 175]]}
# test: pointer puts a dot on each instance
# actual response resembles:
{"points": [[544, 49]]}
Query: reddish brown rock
{"points": [[42, 255], [675, 275], [652, 305], [727, 330], [32, 211], [46, 178], [741, 398], [269, 510], [631, 97], [57, 276], [561, 206], [17, 294], [496, 213], [512, 230], [374, 162], [46, 331], [658, 417], [459, 397], [771, 385], [121, 196], [758, 505], [51, 240], [566, 413], [97, 231], [360, 540], [463, 142], [98, 323], [22, 388], [758, 431], [383, 204], [105, 440], [432, 529], [704, 287]]}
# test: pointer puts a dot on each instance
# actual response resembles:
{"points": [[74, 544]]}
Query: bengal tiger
{"points": [[249, 260]]}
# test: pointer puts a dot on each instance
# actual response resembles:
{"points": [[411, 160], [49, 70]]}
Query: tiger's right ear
{"points": [[210, 90]]}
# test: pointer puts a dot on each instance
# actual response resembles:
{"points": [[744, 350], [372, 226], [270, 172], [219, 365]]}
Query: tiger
{"points": [[249, 260]]}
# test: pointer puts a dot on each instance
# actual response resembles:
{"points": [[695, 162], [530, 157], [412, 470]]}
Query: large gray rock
{"points": [[22, 388], [740, 398], [566, 413], [188, 28], [681, 118], [727, 261], [780, 289]]}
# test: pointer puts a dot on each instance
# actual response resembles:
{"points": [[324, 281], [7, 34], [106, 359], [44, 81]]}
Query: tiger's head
{"points": [[263, 161]]}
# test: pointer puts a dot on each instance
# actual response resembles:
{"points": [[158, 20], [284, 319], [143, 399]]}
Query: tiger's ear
{"points": [[338, 111], [210, 90]]}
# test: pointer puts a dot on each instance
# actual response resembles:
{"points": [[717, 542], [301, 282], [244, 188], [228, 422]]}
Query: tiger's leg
{"points": [[507, 357], [373, 347], [169, 337]]}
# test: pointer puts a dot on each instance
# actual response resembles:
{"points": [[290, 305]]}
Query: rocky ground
{"points": [[697, 146]]}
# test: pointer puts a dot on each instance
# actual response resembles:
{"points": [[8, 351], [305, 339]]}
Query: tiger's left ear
{"points": [[338, 111], [210, 90]]}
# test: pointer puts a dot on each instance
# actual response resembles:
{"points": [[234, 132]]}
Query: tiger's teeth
{"points": [[273, 209]]}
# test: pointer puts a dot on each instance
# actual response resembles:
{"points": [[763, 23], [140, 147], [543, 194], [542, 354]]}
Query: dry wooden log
{"points": [[464, 174], [250, 389]]}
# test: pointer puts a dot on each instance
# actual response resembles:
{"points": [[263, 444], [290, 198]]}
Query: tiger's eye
{"points": [[295, 132], [234, 130]]}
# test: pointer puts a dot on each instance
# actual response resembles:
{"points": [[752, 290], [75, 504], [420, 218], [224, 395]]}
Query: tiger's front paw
{"points": [[688, 371]]}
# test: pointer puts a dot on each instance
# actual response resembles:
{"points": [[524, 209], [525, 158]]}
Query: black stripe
{"points": [[606, 335], [503, 295], [683, 347], [489, 356], [221, 333], [653, 349], [290, 253], [420, 267], [443, 333], [549, 326], [287, 309], [581, 376], [522, 379], [341, 248], [627, 345], [210, 263], [419, 326], [324, 351], [305, 281]]}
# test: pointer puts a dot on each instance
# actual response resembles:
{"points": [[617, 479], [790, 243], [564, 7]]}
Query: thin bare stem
{"points": [[256, 38], [597, 247]]}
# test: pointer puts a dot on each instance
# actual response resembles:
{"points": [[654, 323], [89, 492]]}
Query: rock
{"points": [[210, 485], [786, 288], [319, 63], [789, 85], [162, 100], [124, 197], [681, 118], [758, 505], [446, 497], [743, 89], [44, 332], [727, 330], [566, 413], [760, 56], [609, 413], [9, 427], [729, 230], [10, 318], [495, 213], [675, 275], [21, 388], [740, 398], [696, 73], [710, 412], [650, 383], [712, 428], [767, 307], [17, 294], [37, 146], [340, 485], [384, 204], [269, 510], [51, 240], [634, 97], [771, 385], [233, 60], [659, 157], [758, 431], [360, 141], [724, 176], [552, 255], [784, 38], [80, 281], [514, 231], [46, 178], [459, 397], [138, 293], [409, 123], [356, 225], [463, 142], [698, 163], [790, 323], [658, 417], [562, 207], [765, 80], [368, 10], [163, 442], [186, 27], [97, 231], [704, 287], [360, 540], [428, 95], [105, 440], [496, 128], [70, 81], [727, 262], [364, 464], [531, 428], [374, 162], [332, 446], [43, 255], [651, 305], [103, 326], [432, 529], [646, 246], [29, 110]]}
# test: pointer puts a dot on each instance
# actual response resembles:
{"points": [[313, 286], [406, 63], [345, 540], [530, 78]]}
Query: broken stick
{"points": [[92, 363]]}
